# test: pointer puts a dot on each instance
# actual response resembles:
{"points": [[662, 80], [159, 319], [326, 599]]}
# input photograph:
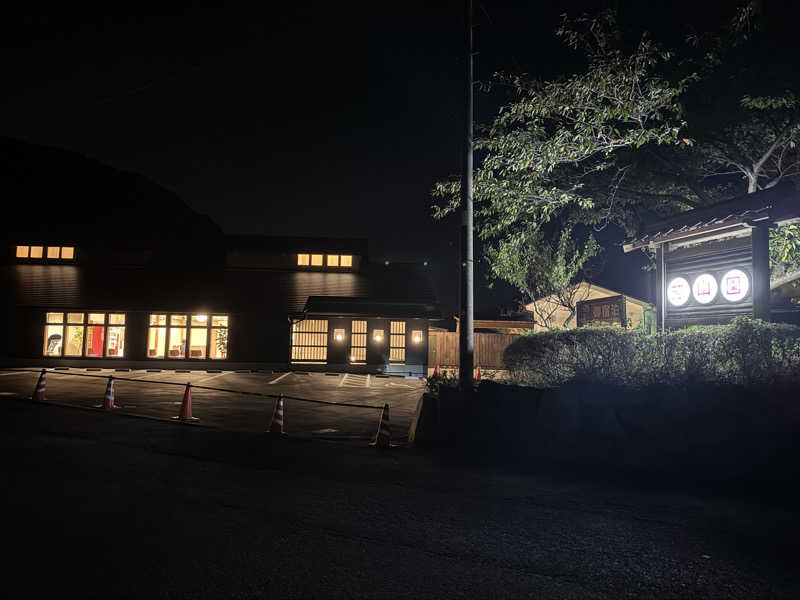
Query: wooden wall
{"points": [[489, 348]]}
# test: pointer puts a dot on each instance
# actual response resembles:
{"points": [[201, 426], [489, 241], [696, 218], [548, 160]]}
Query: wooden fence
{"points": [[489, 348]]}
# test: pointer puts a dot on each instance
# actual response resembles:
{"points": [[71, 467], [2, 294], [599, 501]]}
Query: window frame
{"points": [[394, 336], [309, 338], [189, 326], [66, 324], [356, 335]]}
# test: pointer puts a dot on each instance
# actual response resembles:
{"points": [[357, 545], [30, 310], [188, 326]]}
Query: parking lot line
{"points": [[277, 379]]}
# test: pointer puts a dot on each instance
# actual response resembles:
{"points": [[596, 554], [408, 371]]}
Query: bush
{"points": [[745, 352]]}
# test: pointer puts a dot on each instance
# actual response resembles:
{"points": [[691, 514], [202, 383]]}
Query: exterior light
{"points": [[735, 285], [678, 291], [386, 262], [377, 335], [704, 288], [338, 334], [416, 336]]}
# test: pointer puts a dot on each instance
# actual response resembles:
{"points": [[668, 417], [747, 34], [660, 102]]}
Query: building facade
{"points": [[226, 302]]}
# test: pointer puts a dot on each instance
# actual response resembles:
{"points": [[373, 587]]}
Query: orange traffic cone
{"points": [[384, 435], [108, 399], [478, 373], [38, 391], [276, 426], [437, 372], [186, 406]]}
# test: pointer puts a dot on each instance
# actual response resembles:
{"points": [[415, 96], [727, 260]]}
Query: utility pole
{"points": [[467, 339]]}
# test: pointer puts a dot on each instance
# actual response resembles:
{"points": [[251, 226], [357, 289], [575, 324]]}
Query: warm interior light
{"points": [[36, 251], [53, 252], [201, 318], [22, 252], [67, 252]]}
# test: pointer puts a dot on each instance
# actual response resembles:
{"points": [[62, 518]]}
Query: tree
{"points": [[638, 133]]}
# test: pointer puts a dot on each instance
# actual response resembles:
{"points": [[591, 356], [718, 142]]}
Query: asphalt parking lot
{"points": [[136, 394]]}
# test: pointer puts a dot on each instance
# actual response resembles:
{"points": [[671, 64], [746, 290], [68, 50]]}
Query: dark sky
{"points": [[334, 119]]}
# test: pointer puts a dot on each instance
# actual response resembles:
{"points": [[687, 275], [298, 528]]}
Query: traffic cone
{"points": [[108, 399], [384, 435], [478, 373], [38, 391], [276, 426], [186, 406], [437, 372]]}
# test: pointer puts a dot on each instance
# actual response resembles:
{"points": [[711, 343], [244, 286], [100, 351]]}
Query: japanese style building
{"points": [[145, 282]]}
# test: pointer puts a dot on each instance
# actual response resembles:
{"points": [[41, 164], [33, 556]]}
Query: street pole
{"points": [[467, 340]]}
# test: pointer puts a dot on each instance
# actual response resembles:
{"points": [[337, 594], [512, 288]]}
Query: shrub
{"points": [[746, 351]]}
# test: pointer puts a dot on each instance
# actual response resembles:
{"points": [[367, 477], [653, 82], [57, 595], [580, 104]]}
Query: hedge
{"points": [[745, 352]]}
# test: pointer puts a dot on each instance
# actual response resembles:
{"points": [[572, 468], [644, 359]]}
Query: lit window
{"points": [[333, 260], [358, 342], [53, 334], [397, 342], [316, 260], [22, 251], [346, 260], [67, 253], [302, 260], [218, 337], [37, 251], [157, 336], [310, 340], [203, 338], [53, 252], [87, 335], [416, 336]]}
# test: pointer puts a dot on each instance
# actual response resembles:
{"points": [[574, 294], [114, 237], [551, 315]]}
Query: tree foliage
{"points": [[640, 132]]}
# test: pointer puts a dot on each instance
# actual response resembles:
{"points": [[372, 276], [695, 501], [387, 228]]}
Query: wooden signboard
{"points": [[609, 310]]}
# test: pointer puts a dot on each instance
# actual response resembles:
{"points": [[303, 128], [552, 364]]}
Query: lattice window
{"points": [[310, 341], [397, 342], [358, 342]]}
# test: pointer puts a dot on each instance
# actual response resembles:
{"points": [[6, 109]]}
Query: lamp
{"points": [[416, 336], [338, 334], [377, 335]]}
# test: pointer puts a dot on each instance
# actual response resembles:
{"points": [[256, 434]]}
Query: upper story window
{"points": [[52, 252], [327, 260]]}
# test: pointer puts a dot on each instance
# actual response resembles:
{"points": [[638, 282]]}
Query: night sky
{"points": [[326, 120]]}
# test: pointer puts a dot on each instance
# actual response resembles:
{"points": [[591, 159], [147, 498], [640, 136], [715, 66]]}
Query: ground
{"points": [[221, 409], [108, 505]]}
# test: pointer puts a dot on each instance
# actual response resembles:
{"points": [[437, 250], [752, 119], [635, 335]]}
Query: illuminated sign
{"points": [[678, 291], [704, 288], [735, 285], [609, 310]]}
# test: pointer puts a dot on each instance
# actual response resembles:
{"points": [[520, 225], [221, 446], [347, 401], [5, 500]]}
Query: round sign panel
{"points": [[704, 288], [735, 285], [678, 291]]}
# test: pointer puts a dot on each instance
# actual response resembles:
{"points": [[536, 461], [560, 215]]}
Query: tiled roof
{"points": [[780, 204]]}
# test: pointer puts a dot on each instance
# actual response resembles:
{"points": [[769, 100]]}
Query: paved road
{"points": [[240, 412], [109, 506]]}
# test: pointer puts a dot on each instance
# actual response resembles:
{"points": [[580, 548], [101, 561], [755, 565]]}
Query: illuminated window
{"points": [[302, 260], [198, 336], [316, 260], [310, 341], [53, 252], [416, 336], [218, 337], [346, 260], [92, 335], [36, 251], [53, 334], [333, 260], [67, 252], [358, 342], [22, 251], [397, 342]]}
